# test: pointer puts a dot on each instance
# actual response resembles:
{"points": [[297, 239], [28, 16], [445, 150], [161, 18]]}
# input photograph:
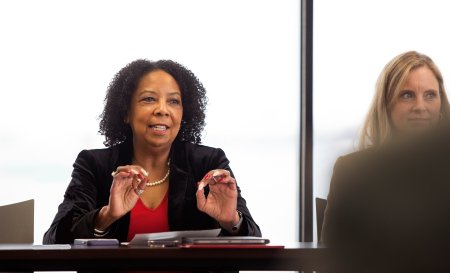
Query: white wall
{"points": [[353, 40], [58, 57]]}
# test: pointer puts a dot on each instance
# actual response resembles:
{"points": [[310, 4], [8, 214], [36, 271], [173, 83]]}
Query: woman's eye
{"points": [[174, 101], [406, 95], [148, 99], [430, 95]]}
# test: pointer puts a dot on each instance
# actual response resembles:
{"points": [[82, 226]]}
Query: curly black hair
{"points": [[125, 82]]}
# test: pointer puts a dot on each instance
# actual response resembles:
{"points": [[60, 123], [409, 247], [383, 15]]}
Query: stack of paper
{"points": [[172, 236]]}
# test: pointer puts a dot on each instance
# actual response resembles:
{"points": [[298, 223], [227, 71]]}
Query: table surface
{"points": [[294, 257]]}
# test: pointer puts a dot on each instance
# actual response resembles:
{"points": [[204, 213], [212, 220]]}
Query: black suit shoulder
{"points": [[351, 172], [198, 159]]}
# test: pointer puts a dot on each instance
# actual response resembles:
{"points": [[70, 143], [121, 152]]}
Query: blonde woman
{"points": [[409, 98], [409, 95]]}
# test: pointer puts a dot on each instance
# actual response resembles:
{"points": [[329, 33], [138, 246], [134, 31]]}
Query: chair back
{"points": [[17, 223], [321, 204]]}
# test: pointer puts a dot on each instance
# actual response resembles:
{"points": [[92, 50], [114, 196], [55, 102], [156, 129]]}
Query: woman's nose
{"points": [[419, 105], [161, 109]]}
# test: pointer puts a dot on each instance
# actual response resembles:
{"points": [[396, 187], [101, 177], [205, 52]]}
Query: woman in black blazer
{"points": [[152, 121], [409, 97]]}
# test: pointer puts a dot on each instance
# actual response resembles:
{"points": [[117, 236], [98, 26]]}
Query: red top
{"points": [[146, 220]]}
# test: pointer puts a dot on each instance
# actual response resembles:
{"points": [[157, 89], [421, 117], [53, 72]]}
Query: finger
{"points": [[121, 182], [128, 172], [201, 199], [206, 180], [201, 185], [225, 181], [141, 183], [117, 172], [134, 169], [220, 173], [140, 186], [229, 183], [223, 176], [122, 174], [215, 176]]}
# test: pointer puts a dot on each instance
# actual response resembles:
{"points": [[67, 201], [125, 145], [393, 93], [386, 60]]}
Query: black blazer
{"points": [[91, 181], [388, 207], [346, 168]]}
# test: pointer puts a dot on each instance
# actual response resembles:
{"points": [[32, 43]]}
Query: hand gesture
{"points": [[221, 202], [128, 184]]}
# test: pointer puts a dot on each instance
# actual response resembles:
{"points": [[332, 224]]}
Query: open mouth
{"points": [[159, 127]]}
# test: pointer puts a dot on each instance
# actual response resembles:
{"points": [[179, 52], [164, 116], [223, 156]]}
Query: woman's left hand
{"points": [[221, 202]]}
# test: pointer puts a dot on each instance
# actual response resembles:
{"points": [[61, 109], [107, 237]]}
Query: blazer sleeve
{"points": [[331, 210], [249, 226], [352, 174], [76, 214]]}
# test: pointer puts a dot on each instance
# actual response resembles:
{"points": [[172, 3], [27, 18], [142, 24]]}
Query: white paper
{"points": [[142, 239], [55, 246]]}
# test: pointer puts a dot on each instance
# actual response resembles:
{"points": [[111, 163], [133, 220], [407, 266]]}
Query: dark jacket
{"points": [[388, 207], [345, 171], [91, 181]]}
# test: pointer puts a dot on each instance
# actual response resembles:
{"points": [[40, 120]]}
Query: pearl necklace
{"points": [[155, 183], [151, 184]]}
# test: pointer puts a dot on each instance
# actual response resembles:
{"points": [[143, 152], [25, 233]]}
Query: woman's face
{"points": [[418, 103], [156, 110]]}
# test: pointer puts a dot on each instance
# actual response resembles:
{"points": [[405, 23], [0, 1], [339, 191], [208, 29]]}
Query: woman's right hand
{"points": [[128, 184]]}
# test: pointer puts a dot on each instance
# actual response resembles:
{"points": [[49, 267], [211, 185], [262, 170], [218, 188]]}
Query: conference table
{"points": [[293, 257]]}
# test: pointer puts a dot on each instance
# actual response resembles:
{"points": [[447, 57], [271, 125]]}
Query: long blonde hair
{"points": [[377, 126]]}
